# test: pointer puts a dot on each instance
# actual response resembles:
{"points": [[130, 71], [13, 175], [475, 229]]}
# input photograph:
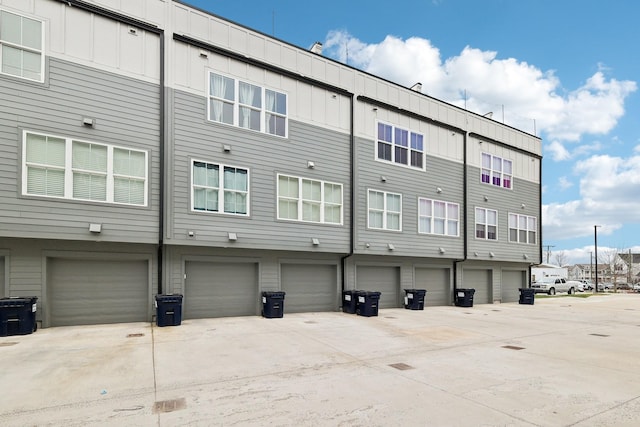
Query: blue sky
{"points": [[567, 70]]}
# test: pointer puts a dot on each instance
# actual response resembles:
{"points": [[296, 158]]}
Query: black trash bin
{"points": [[464, 297], [527, 296], [17, 316], [273, 304], [367, 304], [414, 299], [168, 310], [349, 301]]}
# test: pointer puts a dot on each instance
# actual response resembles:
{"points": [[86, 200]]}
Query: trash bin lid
{"points": [[169, 297]]}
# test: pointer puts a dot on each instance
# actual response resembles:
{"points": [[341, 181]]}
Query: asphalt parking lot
{"points": [[564, 361]]}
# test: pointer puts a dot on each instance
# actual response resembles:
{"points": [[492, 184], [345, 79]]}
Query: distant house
{"points": [[632, 263]]}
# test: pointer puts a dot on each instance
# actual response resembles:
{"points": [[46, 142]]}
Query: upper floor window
{"points": [[523, 228], [71, 169], [385, 210], [219, 188], [438, 217], [302, 199], [246, 105], [496, 171], [486, 224], [21, 41], [400, 146]]}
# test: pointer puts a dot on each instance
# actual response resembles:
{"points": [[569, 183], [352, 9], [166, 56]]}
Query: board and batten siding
{"points": [[412, 184], [265, 157], [89, 39], [126, 114]]}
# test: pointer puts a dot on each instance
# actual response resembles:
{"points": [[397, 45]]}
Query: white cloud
{"points": [[610, 195], [525, 92], [557, 150], [564, 183]]}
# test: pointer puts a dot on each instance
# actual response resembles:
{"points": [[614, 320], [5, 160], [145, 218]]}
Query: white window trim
{"points": [[492, 171], [68, 171], [518, 229], [447, 219], [221, 189], [236, 105], [300, 199], [385, 211], [393, 145], [486, 225], [41, 51]]}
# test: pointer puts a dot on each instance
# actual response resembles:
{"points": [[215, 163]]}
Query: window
{"points": [[385, 210], [400, 146], [246, 105], [486, 224], [219, 188], [523, 229], [21, 46], [437, 217], [301, 199], [496, 171], [71, 169]]}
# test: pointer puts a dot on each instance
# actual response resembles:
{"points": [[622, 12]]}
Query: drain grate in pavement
{"points": [[390, 317], [169, 405], [311, 322], [135, 335], [600, 335], [7, 344], [513, 347], [401, 366]]}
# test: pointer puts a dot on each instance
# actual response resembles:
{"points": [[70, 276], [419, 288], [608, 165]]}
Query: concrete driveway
{"points": [[564, 361]]}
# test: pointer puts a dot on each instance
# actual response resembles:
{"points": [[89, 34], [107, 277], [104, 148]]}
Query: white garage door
{"points": [[220, 290], [436, 281], [480, 280], [87, 292], [385, 280], [309, 287], [512, 281]]}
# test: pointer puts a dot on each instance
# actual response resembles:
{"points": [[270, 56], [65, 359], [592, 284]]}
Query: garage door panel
{"points": [[512, 281], [220, 290], [86, 292], [309, 287], [480, 280], [385, 280], [436, 281]]}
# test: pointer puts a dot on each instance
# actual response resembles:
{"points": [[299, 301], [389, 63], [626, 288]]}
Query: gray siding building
{"points": [[157, 148]]}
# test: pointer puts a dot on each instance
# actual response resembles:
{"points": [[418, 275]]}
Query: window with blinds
{"points": [[21, 41], [81, 170]]}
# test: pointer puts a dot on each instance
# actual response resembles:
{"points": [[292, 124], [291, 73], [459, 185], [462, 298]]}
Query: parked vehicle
{"points": [[587, 284], [636, 287], [551, 286]]}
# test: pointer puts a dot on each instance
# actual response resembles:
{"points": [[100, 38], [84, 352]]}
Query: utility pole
{"points": [[595, 249], [548, 250]]}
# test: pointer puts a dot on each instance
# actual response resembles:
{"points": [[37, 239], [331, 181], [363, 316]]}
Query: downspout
{"points": [[464, 213], [352, 203], [540, 212], [163, 142]]}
